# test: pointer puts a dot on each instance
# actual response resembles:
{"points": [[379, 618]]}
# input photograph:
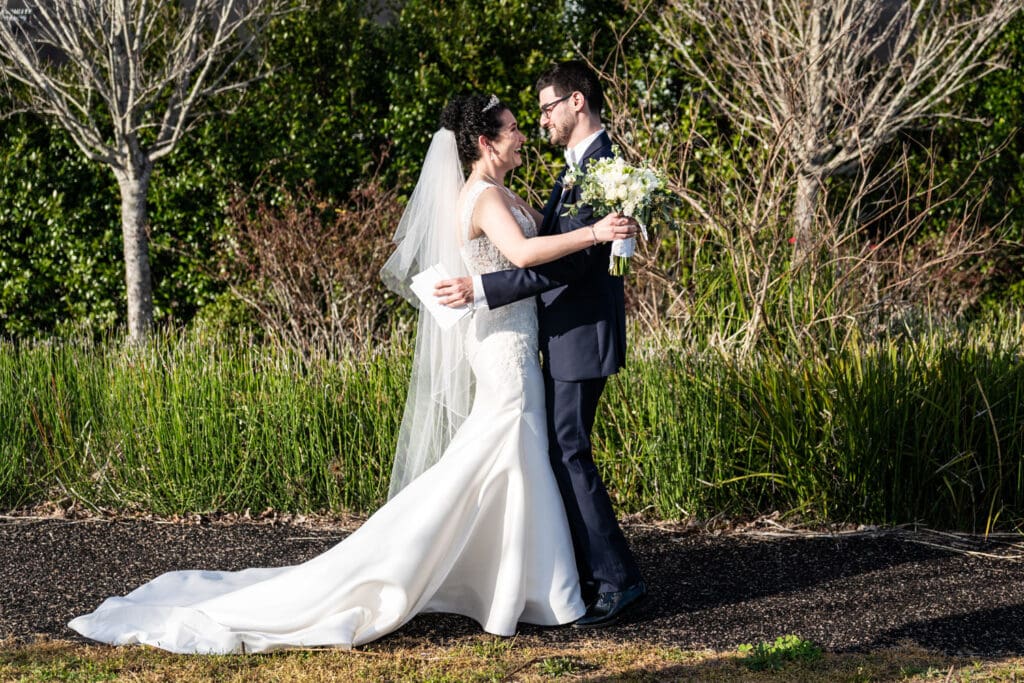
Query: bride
{"points": [[475, 524]]}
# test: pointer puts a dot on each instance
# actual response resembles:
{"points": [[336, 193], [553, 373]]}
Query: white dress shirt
{"points": [[575, 153]]}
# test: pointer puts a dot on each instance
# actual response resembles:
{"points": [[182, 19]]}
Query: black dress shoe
{"points": [[609, 607], [588, 592]]}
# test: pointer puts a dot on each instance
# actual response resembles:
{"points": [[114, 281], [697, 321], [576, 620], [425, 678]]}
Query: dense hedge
{"points": [[354, 96], [357, 96]]}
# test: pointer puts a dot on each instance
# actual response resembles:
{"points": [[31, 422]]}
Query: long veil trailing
{"points": [[440, 387]]}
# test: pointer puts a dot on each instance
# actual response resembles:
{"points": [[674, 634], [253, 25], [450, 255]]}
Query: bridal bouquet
{"points": [[611, 185]]}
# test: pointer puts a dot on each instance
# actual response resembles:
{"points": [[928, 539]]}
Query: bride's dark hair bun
{"points": [[469, 117]]}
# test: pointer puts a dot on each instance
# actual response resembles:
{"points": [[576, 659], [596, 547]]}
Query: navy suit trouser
{"points": [[603, 558]]}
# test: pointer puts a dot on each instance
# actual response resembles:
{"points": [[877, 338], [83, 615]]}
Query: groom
{"points": [[582, 318]]}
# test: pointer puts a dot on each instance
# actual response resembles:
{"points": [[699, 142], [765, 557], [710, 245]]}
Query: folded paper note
{"points": [[423, 287]]}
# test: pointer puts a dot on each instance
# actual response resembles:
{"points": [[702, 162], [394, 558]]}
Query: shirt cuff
{"points": [[479, 298]]}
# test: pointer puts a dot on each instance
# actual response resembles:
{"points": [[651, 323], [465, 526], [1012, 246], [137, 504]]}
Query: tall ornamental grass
{"points": [[922, 428], [184, 424], [927, 429]]}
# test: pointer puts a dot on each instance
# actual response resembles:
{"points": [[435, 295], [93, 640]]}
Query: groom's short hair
{"points": [[568, 77]]}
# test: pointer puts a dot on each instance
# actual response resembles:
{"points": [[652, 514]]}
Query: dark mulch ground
{"points": [[851, 591]]}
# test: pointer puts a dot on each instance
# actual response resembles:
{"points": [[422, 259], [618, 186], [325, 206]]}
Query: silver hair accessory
{"points": [[491, 103]]}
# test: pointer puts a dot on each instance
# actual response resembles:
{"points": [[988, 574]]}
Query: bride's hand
{"points": [[615, 226]]}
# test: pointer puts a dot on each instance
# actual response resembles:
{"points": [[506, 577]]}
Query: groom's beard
{"points": [[560, 132]]}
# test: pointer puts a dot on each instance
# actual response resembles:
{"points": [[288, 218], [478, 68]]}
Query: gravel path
{"points": [[852, 591]]}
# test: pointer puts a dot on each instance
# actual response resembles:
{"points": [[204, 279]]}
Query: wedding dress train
{"points": [[482, 533]]}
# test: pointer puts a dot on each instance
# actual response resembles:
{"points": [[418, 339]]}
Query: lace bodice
{"points": [[508, 334], [480, 255]]}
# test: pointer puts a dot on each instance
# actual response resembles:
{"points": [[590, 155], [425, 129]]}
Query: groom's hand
{"points": [[455, 292]]}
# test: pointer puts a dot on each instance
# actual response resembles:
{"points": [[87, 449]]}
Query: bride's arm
{"points": [[537, 216], [492, 216]]}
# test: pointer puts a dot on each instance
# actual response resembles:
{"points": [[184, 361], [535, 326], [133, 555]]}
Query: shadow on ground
{"points": [[847, 592]]}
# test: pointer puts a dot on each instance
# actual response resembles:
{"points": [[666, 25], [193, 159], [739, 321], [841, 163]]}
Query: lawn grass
{"points": [[484, 658]]}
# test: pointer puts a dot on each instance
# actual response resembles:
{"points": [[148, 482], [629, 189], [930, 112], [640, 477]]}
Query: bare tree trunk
{"points": [[804, 207], [134, 184], [127, 81]]}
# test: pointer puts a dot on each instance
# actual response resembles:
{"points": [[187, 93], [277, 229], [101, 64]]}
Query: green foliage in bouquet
{"points": [[612, 185]]}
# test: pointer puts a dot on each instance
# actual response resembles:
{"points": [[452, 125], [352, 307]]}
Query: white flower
{"points": [[612, 185], [573, 173]]}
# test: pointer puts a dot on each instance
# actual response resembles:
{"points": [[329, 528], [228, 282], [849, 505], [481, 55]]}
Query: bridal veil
{"points": [[440, 387]]}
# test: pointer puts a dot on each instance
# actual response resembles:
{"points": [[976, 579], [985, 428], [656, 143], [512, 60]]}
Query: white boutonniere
{"points": [[573, 174]]}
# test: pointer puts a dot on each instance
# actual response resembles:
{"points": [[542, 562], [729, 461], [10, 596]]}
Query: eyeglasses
{"points": [[545, 109]]}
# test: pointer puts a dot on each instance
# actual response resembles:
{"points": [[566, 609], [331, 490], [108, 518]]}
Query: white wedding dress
{"points": [[482, 533]]}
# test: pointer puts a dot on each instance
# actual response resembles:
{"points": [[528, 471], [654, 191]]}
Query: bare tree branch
{"points": [[834, 80], [128, 79]]}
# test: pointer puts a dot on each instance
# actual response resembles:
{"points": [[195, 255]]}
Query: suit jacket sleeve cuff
{"points": [[479, 296]]}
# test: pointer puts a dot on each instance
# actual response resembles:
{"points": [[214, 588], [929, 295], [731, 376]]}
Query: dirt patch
{"points": [[852, 591]]}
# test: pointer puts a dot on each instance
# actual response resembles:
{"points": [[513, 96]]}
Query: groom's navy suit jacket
{"points": [[581, 308]]}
